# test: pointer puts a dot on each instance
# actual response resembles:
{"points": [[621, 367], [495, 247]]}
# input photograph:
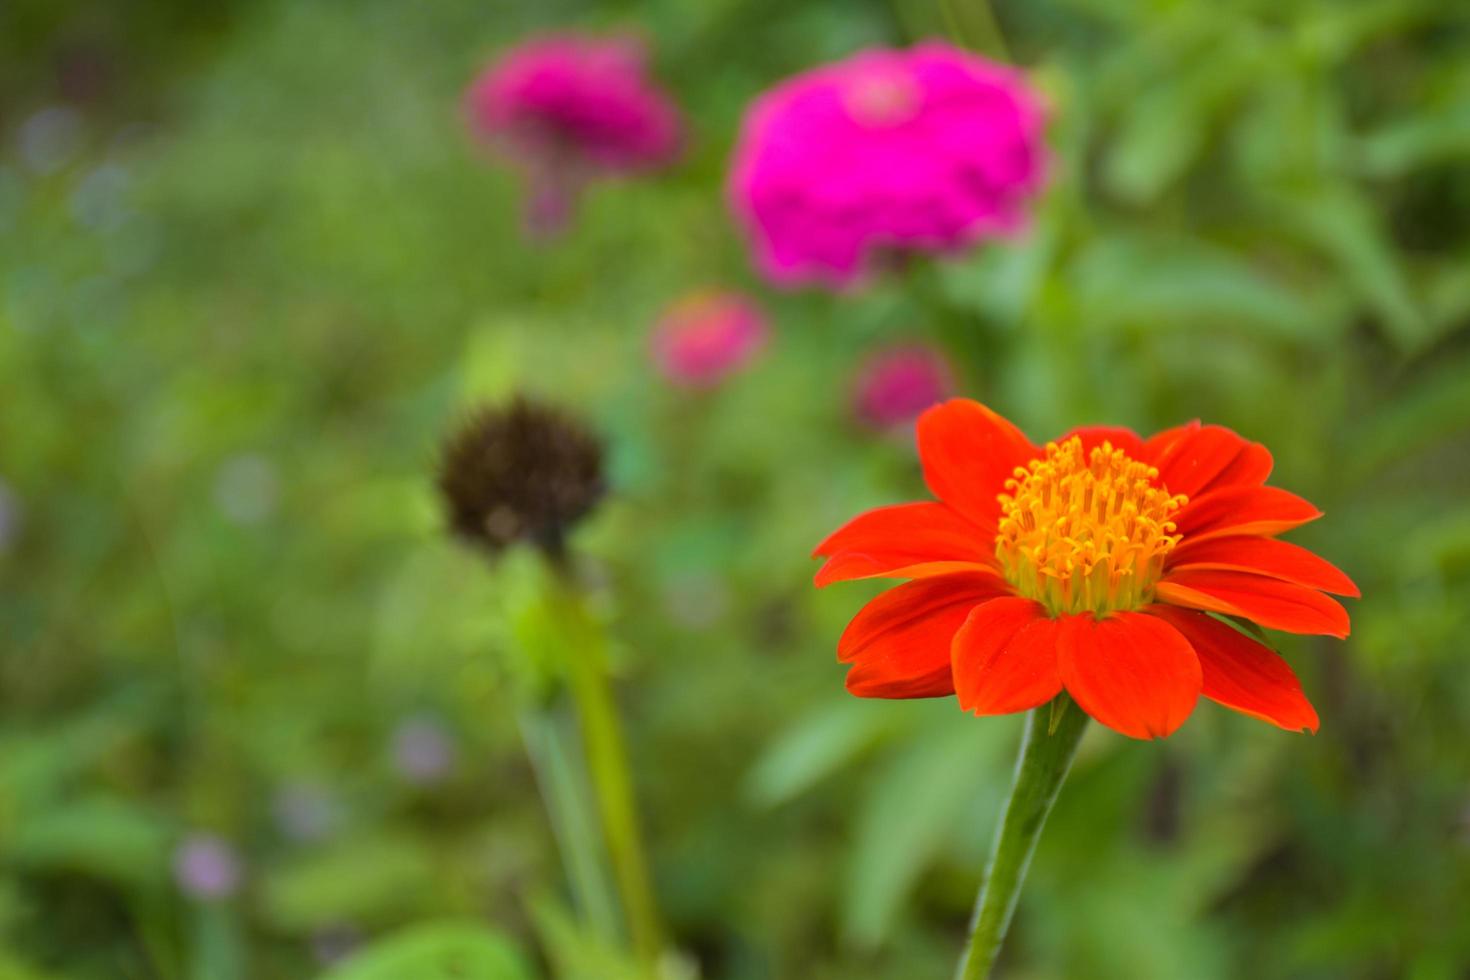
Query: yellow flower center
{"points": [[1085, 531]]}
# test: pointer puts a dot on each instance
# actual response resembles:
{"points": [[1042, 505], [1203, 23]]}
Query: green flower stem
{"points": [[219, 948], [974, 24], [607, 758], [1052, 734], [562, 780]]}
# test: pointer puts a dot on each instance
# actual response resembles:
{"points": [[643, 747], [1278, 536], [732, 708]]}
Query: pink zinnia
{"points": [[566, 108], [928, 149], [895, 386], [705, 337]]}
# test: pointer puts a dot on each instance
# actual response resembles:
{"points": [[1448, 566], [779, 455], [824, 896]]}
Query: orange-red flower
{"points": [[1091, 565]]}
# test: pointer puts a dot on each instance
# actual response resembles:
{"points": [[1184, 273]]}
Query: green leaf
{"points": [[1437, 132], [365, 879], [14, 969], [1417, 142], [819, 744], [101, 836], [1166, 126], [911, 811], [438, 951], [1003, 283], [1434, 408], [1182, 285], [1342, 225]]}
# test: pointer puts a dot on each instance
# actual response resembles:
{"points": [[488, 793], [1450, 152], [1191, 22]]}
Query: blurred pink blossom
{"points": [[566, 108], [423, 750], [206, 867], [306, 811], [928, 149], [707, 336], [894, 386]]}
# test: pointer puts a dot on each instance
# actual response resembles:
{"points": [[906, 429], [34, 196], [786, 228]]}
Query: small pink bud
{"points": [[566, 108], [705, 337], [895, 385]]}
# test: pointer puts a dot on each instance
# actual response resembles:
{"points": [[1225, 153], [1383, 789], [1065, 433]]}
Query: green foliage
{"points": [[444, 951], [245, 292]]}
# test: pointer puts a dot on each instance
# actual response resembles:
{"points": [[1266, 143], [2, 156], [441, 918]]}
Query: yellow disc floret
{"points": [[1085, 531]]}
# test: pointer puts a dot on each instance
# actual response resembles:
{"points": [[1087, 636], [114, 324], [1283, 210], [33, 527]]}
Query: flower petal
{"points": [[1243, 510], [1266, 601], [1158, 445], [1240, 673], [850, 565], [877, 680], [1005, 657], [900, 641], [1197, 459], [968, 453], [1263, 556], [1133, 672], [1250, 469], [904, 541]]}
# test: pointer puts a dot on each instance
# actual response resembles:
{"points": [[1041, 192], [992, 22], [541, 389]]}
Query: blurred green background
{"points": [[251, 268]]}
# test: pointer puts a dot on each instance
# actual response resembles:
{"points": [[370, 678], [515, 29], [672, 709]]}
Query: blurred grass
{"points": [[247, 282]]}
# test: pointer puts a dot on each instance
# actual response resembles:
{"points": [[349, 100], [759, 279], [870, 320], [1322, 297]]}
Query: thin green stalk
{"points": [[219, 950], [1052, 734], [974, 25], [607, 758], [563, 784]]}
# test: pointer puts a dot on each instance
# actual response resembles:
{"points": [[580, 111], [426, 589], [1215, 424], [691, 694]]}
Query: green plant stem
{"points": [[974, 24], [1052, 733], [219, 950], [607, 758], [562, 781]]}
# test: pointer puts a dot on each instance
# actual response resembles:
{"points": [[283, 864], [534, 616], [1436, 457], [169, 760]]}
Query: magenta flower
{"points": [[706, 336], [929, 149], [894, 386], [566, 108]]}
